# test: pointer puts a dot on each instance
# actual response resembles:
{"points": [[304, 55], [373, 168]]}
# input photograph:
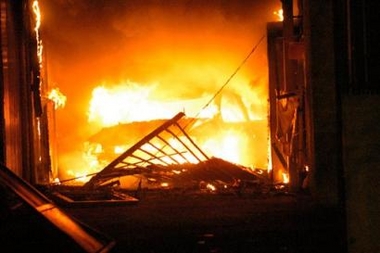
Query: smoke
{"points": [[149, 39], [189, 47]]}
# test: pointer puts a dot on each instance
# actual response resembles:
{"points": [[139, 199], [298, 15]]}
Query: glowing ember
{"points": [[56, 181], [164, 185], [176, 172]]}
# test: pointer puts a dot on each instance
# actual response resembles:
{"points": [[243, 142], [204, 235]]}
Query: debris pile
{"points": [[167, 158]]}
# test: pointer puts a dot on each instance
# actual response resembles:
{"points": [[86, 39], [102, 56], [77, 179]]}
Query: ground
{"points": [[170, 221]]}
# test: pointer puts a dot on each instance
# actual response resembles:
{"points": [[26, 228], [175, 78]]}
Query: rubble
{"points": [[166, 158]]}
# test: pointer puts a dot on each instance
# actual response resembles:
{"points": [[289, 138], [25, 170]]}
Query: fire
{"points": [[225, 146], [279, 14], [285, 178], [37, 13], [120, 149], [78, 176], [170, 79], [56, 181], [210, 187], [176, 144], [164, 185], [118, 105], [227, 134], [57, 97], [131, 102]]}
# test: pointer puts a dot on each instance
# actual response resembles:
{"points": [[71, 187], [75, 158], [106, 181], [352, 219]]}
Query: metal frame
{"points": [[166, 145]]}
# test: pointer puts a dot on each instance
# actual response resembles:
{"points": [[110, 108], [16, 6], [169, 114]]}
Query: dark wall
{"points": [[361, 142], [14, 87], [21, 125], [321, 79], [342, 65]]}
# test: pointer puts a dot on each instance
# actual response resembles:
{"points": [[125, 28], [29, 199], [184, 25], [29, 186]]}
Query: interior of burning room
{"points": [[116, 69]]}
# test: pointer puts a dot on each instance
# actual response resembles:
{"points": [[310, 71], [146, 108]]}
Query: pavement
{"points": [[169, 221]]}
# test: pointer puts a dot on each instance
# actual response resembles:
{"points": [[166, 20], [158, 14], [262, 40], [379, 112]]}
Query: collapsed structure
{"points": [[167, 158], [166, 145]]}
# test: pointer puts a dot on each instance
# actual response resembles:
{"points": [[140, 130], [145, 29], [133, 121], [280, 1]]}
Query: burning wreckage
{"points": [[165, 159]]}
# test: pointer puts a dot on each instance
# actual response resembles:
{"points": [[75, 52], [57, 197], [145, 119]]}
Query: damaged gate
{"points": [[167, 145], [167, 155]]}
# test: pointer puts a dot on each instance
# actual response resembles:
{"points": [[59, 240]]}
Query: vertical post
{"points": [[289, 86], [288, 33]]}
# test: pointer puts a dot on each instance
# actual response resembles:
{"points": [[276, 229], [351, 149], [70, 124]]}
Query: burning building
{"points": [[291, 96], [135, 67]]}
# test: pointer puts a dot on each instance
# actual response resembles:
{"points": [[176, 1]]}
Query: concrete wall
{"points": [[361, 145], [345, 131], [322, 91]]}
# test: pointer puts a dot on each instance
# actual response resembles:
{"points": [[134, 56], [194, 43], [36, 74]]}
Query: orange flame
{"points": [[132, 102], [279, 14], [115, 103], [164, 185], [58, 98], [37, 13], [285, 178], [211, 187]]}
